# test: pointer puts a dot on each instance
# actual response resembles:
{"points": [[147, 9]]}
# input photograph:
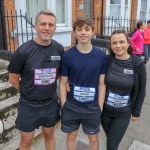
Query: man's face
{"points": [[45, 27]]}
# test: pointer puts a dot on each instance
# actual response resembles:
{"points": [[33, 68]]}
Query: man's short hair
{"points": [[44, 12]]}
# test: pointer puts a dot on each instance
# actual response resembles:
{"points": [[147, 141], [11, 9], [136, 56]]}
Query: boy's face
{"points": [[83, 34]]}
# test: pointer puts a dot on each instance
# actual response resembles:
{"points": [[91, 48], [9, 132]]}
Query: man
{"points": [[83, 67], [147, 42], [33, 71]]}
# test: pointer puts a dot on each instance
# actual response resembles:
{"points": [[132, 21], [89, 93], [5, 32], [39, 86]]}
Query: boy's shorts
{"points": [[73, 115], [29, 119]]}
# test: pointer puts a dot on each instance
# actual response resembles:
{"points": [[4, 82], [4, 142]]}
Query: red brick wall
{"points": [[76, 12], [9, 6], [97, 12], [134, 5]]}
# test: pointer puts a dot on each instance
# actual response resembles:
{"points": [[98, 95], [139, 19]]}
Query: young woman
{"points": [[125, 89], [137, 39]]}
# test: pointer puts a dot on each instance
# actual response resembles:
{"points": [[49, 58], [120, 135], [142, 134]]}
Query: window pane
{"points": [[126, 2], [126, 12], [34, 6], [115, 10], [143, 4], [142, 15], [88, 8], [115, 2], [60, 11]]}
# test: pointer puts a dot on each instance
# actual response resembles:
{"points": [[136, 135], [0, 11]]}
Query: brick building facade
{"points": [[98, 8]]}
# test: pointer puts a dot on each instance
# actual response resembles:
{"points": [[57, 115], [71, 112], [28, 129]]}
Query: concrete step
{"points": [[6, 91], [8, 113], [3, 75], [3, 64], [5, 55], [13, 144], [9, 138]]}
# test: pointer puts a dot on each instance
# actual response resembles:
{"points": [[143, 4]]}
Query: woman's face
{"points": [[142, 27], [119, 45]]}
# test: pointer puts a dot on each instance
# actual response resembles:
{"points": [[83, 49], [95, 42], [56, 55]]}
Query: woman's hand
{"points": [[138, 50]]}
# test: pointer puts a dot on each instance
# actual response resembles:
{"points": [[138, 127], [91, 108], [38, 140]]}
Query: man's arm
{"points": [[14, 80], [63, 89], [101, 90]]}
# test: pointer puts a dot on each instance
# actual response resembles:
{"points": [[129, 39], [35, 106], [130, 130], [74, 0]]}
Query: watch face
{"points": [[1, 127]]}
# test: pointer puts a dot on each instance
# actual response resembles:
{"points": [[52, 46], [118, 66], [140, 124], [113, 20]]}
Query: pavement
{"points": [[137, 136]]}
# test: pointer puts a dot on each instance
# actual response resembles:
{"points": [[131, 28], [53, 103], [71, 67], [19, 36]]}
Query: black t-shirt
{"points": [[39, 67], [120, 84]]}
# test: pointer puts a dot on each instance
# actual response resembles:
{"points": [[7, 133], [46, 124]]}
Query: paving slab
{"points": [[137, 145]]}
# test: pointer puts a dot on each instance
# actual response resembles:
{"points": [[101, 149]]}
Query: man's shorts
{"points": [[29, 119], [73, 115]]}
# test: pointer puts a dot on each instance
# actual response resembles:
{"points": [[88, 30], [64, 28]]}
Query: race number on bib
{"points": [[84, 94], [117, 101], [44, 76]]}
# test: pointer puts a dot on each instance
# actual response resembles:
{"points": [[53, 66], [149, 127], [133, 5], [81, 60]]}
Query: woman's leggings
{"points": [[115, 129]]}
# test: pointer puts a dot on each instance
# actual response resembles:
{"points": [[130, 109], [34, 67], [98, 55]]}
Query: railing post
{"points": [[3, 23], [102, 15]]}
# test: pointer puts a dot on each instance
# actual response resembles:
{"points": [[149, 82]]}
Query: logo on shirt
{"points": [[128, 71]]}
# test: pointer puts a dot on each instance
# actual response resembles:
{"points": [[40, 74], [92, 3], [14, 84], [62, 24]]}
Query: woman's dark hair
{"points": [[139, 24], [127, 37], [148, 21]]}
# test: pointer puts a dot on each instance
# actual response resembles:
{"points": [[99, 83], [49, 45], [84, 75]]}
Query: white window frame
{"points": [[122, 15], [148, 10], [67, 26], [122, 8]]}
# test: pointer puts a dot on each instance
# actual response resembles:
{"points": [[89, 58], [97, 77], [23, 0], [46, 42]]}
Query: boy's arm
{"points": [[101, 90], [63, 89], [14, 80]]}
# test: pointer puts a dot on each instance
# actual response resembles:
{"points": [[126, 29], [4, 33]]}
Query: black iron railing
{"points": [[20, 29]]}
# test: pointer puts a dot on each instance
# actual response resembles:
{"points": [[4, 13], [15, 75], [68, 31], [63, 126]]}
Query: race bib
{"points": [[117, 101], [44, 76], [84, 94]]}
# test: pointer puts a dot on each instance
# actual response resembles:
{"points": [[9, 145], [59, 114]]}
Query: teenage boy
{"points": [[83, 67]]}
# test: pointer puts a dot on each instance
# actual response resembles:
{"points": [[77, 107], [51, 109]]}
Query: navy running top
{"points": [[83, 72]]}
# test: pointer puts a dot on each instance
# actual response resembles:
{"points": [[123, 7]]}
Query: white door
{"points": [[117, 15]]}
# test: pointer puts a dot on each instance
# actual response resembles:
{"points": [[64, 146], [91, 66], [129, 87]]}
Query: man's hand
{"points": [[14, 80], [134, 119]]}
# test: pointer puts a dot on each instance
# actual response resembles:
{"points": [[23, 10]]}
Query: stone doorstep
{"points": [[6, 90], [3, 71], [4, 63], [5, 85], [8, 102], [8, 111], [13, 144], [3, 75]]}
